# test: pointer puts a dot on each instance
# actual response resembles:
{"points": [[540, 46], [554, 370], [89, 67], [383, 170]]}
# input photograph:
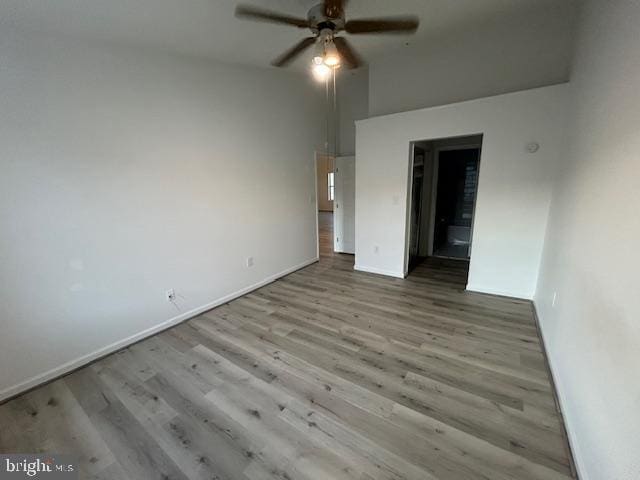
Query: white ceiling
{"points": [[207, 28]]}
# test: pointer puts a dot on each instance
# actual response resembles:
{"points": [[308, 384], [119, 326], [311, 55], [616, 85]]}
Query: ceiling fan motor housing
{"points": [[319, 21]]}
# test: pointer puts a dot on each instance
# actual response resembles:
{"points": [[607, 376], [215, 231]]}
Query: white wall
{"points": [[507, 53], [514, 188], [125, 174], [591, 256]]}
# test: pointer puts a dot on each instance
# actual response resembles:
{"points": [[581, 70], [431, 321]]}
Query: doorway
{"points": [[335, 177], [443, 188], [325, 191], [456, 189]]}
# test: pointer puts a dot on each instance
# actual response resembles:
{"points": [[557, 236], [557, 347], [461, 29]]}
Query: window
{"points": [[331, 186]]}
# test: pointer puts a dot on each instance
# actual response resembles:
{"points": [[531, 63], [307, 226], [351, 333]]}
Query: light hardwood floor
{"points": [[325, 374], [325, 233]]}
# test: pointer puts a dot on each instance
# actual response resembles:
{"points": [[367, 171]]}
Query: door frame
{"points": [[407, 220], [434, 194]]}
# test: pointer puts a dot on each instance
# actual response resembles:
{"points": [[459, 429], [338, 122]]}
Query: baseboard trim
{"points": [[499, 293], [378, 271], [73, 365], [569, 439]]}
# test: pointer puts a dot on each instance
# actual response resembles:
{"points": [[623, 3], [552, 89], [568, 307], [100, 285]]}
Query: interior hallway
{"points": [[325, 233], [327, 373]]}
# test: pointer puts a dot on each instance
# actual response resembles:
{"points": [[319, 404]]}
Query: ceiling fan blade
{"points": [[293, 52], [333, 8], [383, 25], [350, 58], [262, 15]]}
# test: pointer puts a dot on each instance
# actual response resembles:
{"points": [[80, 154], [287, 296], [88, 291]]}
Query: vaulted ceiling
{"points": [[207, 28]]}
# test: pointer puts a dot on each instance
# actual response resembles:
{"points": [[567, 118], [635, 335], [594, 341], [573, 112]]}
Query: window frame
{"points": [[331, 186]]}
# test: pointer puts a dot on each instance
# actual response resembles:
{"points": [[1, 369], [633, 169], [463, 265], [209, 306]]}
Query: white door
{"points": [[344, 209]]}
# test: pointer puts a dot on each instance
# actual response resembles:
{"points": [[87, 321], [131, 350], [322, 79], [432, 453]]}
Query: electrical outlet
{"points": [[249, 262], [376, 249], [171, 295]]}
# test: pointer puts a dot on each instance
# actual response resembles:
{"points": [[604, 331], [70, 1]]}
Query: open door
{"points": [[344, 208]]}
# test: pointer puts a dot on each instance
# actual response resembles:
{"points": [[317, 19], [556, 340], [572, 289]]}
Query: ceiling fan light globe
{"points": [[331, 55], [320, 72], [332, 60]]}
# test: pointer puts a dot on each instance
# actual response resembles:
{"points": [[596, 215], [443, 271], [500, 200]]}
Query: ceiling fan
{"points": [[325, 21]]}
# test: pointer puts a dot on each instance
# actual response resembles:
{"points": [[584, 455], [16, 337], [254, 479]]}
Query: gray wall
{"points": [[480, 59], [353, 105], [591, 257], [126, 173]]}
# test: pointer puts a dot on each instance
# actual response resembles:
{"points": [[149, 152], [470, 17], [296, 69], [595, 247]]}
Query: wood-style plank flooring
{"points": [[325, 374]]}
